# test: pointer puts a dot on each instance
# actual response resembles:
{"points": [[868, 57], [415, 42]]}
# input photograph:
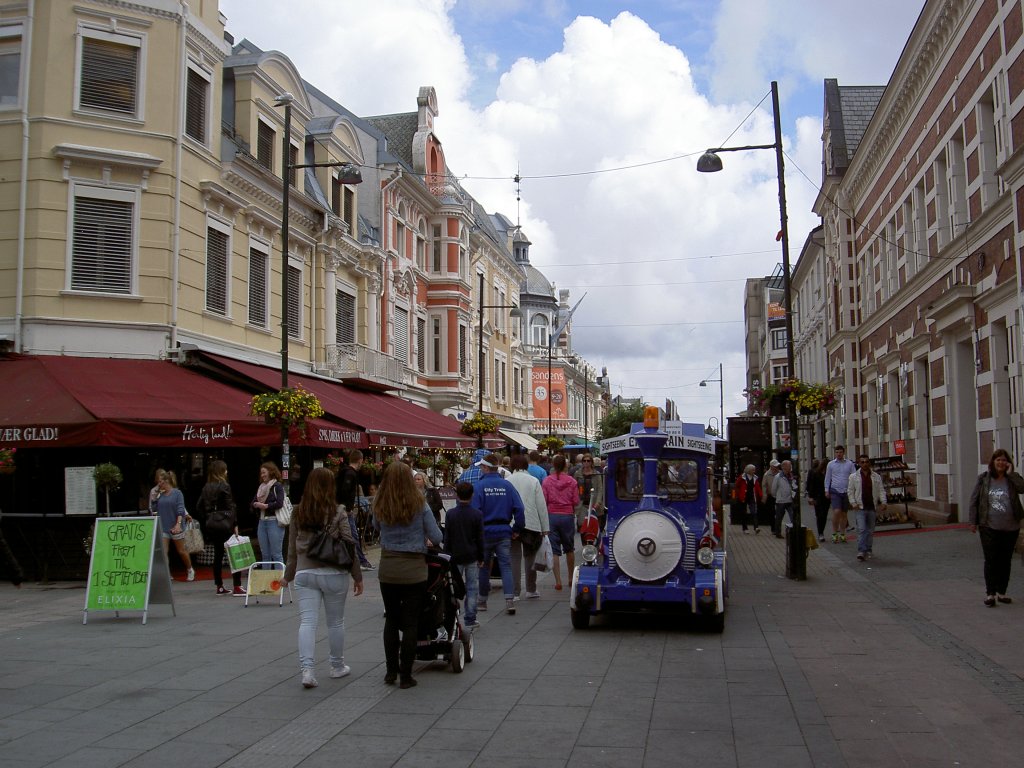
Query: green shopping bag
{"points": [[240, 553]]}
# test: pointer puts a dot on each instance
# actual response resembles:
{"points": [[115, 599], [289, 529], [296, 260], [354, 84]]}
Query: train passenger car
{"points": [[663, 549]]}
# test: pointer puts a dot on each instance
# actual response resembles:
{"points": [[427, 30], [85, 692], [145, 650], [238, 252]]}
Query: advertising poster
{"points": [[549, 398]]}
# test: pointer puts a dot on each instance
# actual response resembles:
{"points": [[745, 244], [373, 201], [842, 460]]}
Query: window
{"points": [[400, 238], [437, 250], [779, 338], [462, 350], [348, 212], [539, 331], [402, 335], [497, 380], [197, 97], [259, 266], [421, 247], [293, 159], [102, 240], [10, 65], [504, 381], [218, 244], [345, 318], [678, 479], [421, 345], [265, 145], [294, 302], [109, 72], [435, 338], [517, 397], [336, 196]]}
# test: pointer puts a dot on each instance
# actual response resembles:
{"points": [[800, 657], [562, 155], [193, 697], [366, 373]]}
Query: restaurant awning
{"points": [[520, 438], [387, 420], [59, 401]]}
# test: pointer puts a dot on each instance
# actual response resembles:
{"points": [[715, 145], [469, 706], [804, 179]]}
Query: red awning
{"points": [[386, 419], [57, 401]]}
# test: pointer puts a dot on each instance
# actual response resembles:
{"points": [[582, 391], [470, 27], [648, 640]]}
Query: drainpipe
{"points": [[19, 289], [176, 231]]}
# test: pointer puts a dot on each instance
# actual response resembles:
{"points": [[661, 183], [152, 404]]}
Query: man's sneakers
{"points": [[368, 566], [532, 595], [510, 606], [343, 671], [471, 624], [191, 575], [861, 556]]}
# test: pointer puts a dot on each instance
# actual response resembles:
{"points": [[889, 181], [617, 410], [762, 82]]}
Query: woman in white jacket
{"points": [[865, 508], [535, 511]]}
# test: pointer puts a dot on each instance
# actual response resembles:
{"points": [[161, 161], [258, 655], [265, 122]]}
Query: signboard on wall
{"points": [[79, 491], [900, 447]]}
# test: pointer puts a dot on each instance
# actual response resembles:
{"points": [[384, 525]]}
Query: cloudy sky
{"points": [[603, 108]]}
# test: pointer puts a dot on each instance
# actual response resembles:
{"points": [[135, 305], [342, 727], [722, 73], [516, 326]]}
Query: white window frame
{"points": [[13, 36], [351, 294], [263, 248], [132, 195], [224, 228], [437, 343], [134, 40], [207, 76]]}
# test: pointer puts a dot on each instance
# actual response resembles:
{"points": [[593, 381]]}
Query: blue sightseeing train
{"points": [[662, 549]]}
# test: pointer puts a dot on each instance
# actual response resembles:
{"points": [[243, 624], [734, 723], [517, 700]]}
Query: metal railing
{"points": [[352, 360]]}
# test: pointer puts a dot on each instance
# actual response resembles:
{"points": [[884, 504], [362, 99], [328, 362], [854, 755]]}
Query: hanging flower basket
{"points": [[290, 407], [7, 466], [774, 399], [480, 424], [551, 444]]}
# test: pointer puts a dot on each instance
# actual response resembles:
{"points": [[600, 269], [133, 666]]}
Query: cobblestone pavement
{"points": [[893, 662]]}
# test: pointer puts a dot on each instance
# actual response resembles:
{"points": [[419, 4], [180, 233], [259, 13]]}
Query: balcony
{"points": [[357, 364]]}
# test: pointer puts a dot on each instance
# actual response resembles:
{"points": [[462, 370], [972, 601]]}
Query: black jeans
{"points": [[821, 509], [781, 510], [998, 549], [749, 516], [218, 559], [403, 604]]}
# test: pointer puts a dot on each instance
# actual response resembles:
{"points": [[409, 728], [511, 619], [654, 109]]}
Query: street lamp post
{"points": [[350, 175], [515, 314], [721, 401], [709, 162]]}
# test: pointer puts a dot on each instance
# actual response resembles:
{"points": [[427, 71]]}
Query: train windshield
{"points": [[678, 479]]}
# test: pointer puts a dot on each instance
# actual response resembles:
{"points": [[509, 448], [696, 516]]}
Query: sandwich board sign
{"points": [[127, 568]]}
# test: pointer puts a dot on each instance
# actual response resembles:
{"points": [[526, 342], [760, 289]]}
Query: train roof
{"points": [[681, 435]]}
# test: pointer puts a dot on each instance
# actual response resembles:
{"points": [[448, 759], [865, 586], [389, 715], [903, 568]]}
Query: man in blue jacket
{"points": [[502, 509]]}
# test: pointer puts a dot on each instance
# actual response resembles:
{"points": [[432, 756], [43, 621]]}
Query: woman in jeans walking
{"points": [[406, 523], [995, 514], [317, 582]]}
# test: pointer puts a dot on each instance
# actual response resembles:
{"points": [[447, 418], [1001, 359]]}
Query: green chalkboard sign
{"points": [[127, 569]]}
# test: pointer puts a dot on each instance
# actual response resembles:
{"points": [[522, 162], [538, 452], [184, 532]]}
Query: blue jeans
{"points": [[471, 575], [358, 538], [313, 586], [865, 529], [502, 549], [271, 536]]}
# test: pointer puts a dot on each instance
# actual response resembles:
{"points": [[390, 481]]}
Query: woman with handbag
{"points": [[315, 522], [406, 523], [268, 500], [169, 505], [995, 513], [216, 507]]}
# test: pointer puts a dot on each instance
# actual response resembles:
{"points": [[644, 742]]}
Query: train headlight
{"points": [[589, 554], [705, 556]]}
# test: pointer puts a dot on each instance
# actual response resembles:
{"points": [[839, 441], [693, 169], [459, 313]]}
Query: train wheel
{"points": [[580, 619]]}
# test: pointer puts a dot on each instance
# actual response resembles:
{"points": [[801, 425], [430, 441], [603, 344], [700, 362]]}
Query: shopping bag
{"points": [[545, 557], [240, 553], [810, 540], [193, 538]]}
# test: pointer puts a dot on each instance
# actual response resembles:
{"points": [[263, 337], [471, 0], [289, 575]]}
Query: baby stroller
{"points": [[442, 635]]}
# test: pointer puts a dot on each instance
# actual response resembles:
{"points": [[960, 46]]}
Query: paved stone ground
{"points": [[895, 662]]}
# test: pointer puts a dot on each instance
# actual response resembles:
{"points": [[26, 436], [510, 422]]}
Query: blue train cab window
{"points": [[678, 479]]}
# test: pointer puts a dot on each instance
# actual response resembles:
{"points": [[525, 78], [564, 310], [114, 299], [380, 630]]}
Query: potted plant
{"points": [[551, 444], [7, 466], [108, 478], [480, 424], [808, 398], [290, 407]]}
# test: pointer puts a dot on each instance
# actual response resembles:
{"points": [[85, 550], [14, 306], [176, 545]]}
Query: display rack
{"points": [[899, 491]]}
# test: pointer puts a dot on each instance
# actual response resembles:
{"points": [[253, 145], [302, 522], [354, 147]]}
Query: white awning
{"points": [[520, 438]]}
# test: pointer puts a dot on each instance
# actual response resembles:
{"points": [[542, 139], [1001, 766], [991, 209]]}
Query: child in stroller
{"points": [[441, 632]]}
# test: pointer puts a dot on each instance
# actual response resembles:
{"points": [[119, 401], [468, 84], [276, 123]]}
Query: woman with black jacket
{"points": [[216, 508]]}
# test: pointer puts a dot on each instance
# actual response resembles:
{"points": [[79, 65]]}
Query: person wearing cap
{"points": [[474, 472], [768, 499], [837, 484], [503, 514]]}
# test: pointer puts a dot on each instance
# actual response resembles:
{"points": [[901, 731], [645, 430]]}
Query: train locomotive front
{"points": [[663, 548]]}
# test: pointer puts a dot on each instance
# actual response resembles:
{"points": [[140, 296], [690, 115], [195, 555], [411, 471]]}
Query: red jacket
{"points": [[739, 491]]}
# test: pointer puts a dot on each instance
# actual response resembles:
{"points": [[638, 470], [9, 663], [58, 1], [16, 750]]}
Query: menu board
{"points": [[127, 569], [79, 491]]}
